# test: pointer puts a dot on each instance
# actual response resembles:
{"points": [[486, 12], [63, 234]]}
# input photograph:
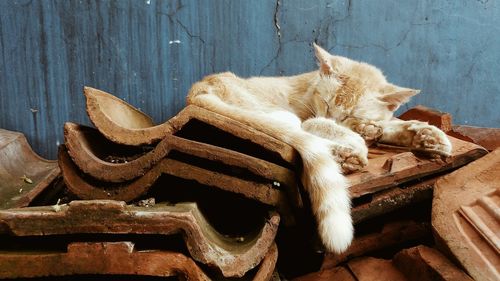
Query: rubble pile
{"points": [[204, 197]]}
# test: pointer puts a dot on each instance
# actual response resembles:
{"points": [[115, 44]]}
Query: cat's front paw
{"points": [[368, 130], [430, 139], [350, 160]]}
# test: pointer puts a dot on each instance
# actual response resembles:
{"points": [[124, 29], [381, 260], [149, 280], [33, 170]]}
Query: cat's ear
{"points": [[398, 97], [325, 60]]}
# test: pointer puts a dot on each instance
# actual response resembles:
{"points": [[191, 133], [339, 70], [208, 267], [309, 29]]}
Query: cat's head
{"points": [[356, 87]]}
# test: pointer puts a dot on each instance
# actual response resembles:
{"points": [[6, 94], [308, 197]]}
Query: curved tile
{"points": [[23, 174], [122, 123], [86, 147], [120, 258], [231, 255], [89, 189]]}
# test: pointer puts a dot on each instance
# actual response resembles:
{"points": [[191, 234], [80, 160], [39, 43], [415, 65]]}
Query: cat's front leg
{"points": [[347, 147], [369, 130], [416, 135]]}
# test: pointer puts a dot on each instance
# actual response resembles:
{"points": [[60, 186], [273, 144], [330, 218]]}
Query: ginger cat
{"points": [[326, 115]]}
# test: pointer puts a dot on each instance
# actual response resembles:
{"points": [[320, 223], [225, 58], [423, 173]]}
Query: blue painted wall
{"points": [[149, 52]]}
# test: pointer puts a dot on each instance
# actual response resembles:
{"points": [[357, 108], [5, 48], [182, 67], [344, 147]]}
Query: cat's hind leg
{"points": [[348, 147]]}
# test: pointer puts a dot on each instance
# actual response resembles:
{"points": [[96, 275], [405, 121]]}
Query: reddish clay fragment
{"points": [[488, 138], [442, 120], [392, 234], [233, 256], [23, 174], [120, 258], [424, 263], [392, 199], [391, 167], [465, 216], [372, 269], [122, 123]]}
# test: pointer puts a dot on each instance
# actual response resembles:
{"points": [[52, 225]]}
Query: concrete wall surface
{"points": [[149, 52]]}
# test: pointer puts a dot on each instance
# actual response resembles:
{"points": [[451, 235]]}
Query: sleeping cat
{"points": [[328, 116]]}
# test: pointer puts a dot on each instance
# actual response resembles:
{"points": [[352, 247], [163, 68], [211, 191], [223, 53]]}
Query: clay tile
{"points": [[424, 263], [391, 166], [87, 148], [442, 120], [128, 191], [120, 258], [232, 256], [391, 234], [122, 123], [23, 174], [465, 216]]}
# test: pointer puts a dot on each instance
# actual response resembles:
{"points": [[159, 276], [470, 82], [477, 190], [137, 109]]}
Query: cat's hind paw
{"points": [[430, 139]]}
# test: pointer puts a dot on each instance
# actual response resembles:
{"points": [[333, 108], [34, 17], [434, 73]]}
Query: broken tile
{"points": [[23, 174], [392, 234], [424, 263], [488, 138], [390, 167], [465, 216], [442, 120], [122, 123], [391, 199], [120, 258], [373, 269], [232, 256]]}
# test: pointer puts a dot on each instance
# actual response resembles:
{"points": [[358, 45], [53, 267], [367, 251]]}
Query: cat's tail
{"points": [[329, 194], [321, 175]]}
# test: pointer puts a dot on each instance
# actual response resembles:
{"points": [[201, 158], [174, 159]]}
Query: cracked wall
{"points": [[150, 52]]}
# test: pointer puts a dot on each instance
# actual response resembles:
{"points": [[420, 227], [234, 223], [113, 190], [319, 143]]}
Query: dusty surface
{"points": [[23, 174], [233, 256], [465, 216]]}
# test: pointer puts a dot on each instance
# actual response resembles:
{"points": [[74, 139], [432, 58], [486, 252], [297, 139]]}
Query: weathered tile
{"points": [[90, 150], [465, 216], [391, 199], [233, 256], [131, 190], [373, 269], [488, 138], [442, 120], [23, 174], [388, 167], [120, 258], [392, 234], [424, 263], [122, 123]]}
